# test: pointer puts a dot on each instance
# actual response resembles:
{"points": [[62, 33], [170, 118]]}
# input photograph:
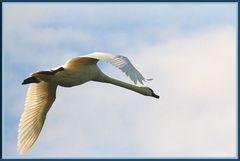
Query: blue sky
{"points": [[188, 48]]}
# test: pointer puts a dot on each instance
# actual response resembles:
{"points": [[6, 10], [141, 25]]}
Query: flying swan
{"points": [[43, 84]]}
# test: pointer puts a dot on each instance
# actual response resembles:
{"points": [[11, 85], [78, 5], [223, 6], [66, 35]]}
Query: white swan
{"points": [[43, 84]]}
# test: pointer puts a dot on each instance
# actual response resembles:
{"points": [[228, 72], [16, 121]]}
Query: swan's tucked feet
{"points": [[30, 80]]}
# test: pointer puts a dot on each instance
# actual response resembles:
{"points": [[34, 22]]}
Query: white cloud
{"points": [[195, 116], [197, 80]]}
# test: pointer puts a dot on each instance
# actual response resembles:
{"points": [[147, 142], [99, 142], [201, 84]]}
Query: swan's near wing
{"points": [[120, 62], [39, 99]]}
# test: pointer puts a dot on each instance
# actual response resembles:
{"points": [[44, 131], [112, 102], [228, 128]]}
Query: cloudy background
{"points": [[188, 48]]}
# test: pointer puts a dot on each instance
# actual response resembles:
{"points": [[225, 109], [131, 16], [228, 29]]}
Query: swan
{"points": [[76, 71]]}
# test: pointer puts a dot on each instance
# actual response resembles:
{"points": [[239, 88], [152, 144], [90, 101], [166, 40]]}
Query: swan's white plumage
{"points": [[76, 71], [121, 62], [39, 99]]}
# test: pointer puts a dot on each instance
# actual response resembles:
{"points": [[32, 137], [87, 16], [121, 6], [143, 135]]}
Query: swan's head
{"points": [[149, 92]]}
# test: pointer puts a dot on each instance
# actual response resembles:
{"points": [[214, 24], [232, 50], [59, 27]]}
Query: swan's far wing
{"points": [[120, 62], [39, 99]]}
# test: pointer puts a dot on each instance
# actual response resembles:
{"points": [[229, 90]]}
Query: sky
{"points": [[189, 49]]}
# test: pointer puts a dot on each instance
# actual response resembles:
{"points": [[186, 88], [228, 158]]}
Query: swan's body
{"points": [[43, 84]]}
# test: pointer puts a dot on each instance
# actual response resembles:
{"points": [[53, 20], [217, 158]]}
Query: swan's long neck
{"points": [[106, 79]]}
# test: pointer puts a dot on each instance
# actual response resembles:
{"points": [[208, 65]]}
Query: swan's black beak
{"points": [[30, 80], [155, 96]]}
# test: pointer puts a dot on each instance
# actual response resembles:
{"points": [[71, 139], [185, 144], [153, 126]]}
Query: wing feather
{"points": [[122, 63], [39, 99]]}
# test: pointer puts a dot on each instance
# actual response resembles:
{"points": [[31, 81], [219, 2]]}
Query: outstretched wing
{"points": [[39, 99], [122, 63]]}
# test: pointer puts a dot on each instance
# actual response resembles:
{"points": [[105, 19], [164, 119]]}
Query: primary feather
{"points": [[40, 97]]}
